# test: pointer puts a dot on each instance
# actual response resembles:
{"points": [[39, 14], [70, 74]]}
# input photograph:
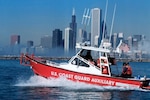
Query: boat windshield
{"points": [[91, 55]]}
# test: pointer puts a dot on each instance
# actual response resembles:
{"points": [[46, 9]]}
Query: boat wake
{"points": [[38, 81]]}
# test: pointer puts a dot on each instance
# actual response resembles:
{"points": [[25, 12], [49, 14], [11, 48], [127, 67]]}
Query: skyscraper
{"points": [[96, 29], [30, 48], [130, 42], [57, 38], [46, 41], [73, 26], [15, 44], [114, 40], [120, 37], [15, 39], [68, 39], [82, 36]]}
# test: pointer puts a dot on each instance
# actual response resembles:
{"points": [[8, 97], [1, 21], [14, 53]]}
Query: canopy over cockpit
{"points": [[78, 46]]}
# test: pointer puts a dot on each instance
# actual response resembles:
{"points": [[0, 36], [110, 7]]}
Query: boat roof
{"points": [[100, 49]]}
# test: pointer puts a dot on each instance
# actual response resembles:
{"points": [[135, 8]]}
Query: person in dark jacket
{"points": [[126, 70]]}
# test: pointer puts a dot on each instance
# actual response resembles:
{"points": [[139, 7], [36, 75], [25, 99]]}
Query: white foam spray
{"points": [[38, 81]]}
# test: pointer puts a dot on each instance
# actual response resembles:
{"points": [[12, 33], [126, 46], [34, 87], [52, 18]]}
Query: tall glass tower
{"points": [[96, 29], [67, 39], [73, 26], [57, 38]]}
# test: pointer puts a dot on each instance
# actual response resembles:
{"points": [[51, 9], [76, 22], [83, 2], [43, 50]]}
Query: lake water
{"points": [[18, 82]]}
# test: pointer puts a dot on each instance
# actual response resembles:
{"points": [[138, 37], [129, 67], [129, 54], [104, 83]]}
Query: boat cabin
{"points": [[92, 59]]}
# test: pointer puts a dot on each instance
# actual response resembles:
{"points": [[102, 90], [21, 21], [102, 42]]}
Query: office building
{"points": [[30, 44], [46, 41], [96, 29], [82, 36], [137, 37], [57, 39], [114, 40], [15, 39], [73, 26], [68, 39], [130, 42]]}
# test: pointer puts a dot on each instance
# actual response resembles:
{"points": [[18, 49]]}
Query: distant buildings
{"points": [[96, 32], [82, 36], [46, 41], [130, 42], [57, 41], [73, 26], [114, 40], [68, 39], [30, 44], [15, 44], [15, 39], [30, 47]]}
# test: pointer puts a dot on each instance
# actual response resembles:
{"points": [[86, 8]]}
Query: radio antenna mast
{"points": [[112, 23], [102, 41], [86, 18], [104, 20]]}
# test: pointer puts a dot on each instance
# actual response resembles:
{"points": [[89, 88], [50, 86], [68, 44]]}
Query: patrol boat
{"points": [[90, 65]]}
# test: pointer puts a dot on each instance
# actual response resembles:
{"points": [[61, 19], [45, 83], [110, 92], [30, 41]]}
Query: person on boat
{"points": [[126, 70], [89, 57]]}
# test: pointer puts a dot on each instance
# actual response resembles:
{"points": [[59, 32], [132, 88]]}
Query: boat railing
{"points": [[51, 63]]}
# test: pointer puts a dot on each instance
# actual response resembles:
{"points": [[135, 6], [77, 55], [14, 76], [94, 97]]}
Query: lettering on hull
{"points": [[83, 78]]}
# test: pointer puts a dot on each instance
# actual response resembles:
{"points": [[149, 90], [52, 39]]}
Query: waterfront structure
{"points": [[73, 26], [68, 39], [15, 39], [96, 29], [57, 39]]}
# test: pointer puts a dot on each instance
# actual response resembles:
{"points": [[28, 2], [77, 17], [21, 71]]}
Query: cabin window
{"points": [[79, 62], [86, 54]]}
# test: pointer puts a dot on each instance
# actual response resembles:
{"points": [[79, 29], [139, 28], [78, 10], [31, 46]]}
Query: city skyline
{"points": [[31, 19]]}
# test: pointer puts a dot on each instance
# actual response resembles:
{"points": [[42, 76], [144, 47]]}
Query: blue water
{"points": [[18, 82]]}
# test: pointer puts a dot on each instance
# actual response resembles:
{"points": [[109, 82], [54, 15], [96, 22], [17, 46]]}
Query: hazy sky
{"points": [[32, 19]]}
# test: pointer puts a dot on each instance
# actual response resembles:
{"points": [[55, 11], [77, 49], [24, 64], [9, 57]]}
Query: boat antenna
{"points": [[86, 17], [101, 45], [104, 20], [112, 23]]}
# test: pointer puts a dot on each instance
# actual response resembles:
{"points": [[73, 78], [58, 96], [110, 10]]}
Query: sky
{"points": [[32, 19]]}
